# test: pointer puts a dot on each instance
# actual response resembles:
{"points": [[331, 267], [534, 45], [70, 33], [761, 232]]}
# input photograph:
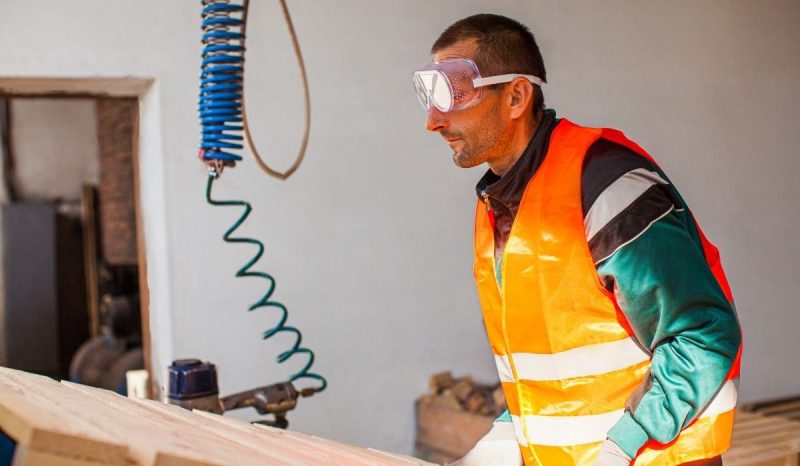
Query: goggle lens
{"points": [[421, 91], [433, 90], [461, 85], [447, 85]]}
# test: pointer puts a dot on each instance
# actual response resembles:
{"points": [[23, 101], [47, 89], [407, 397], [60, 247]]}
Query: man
{"points": [[607, 310]]}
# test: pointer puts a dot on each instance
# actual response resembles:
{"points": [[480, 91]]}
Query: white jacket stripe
{"points": [[587, 360]]}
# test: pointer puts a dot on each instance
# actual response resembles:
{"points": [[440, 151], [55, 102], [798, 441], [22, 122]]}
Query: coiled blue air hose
{"points": [[221, 117], [221, 79]]}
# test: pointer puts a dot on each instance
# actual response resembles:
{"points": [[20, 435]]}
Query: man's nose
{"points": [[436, 120]]}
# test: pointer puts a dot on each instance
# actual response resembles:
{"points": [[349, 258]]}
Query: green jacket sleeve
{"points": [[678, 312]]}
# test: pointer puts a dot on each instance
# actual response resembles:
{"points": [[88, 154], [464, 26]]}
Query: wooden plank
{"points": [[763, 441], [157, 438], [147, 439], [141, 251], [326, 450], [793, 416], [779, 408], [76, 425], [42, 423], [768, 433], [397, 459], [24, 456], [318, 449], [341, 453], [61, 87], [779, 456], [743, 450], [284, 447], [245, 435], [255, 444], [90, 228], [751, 422]]}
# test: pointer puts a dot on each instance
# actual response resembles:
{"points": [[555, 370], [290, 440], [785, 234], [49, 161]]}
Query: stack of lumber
{"points": [[787, 408], [454, 416], [763, 441], [766, 434], [67, 424]]}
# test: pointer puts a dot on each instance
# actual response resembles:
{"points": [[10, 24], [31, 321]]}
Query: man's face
{"points": [[476, 134]]}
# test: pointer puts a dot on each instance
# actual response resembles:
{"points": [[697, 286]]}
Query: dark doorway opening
{"points": [[71, 306]]}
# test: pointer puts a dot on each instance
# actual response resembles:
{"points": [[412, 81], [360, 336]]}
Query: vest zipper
{"points": [[486, 201]]}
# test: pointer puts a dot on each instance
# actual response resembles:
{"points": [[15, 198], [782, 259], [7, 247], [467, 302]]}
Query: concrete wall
{"points": [[370, 242]]}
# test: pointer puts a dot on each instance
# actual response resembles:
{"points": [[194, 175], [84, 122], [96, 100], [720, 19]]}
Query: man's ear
{"points": [[522, 95]]}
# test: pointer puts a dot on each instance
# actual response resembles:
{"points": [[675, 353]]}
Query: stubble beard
{"points": [[477, 149]]}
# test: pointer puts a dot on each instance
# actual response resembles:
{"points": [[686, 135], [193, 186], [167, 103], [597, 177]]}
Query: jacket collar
{"points": [[508, 189]]}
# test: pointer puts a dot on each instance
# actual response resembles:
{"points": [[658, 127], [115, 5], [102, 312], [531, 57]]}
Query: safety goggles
{"points": [[456, 84]]}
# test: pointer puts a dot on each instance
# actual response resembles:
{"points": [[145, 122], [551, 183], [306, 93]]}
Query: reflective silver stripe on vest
{"points": [[560, 431], [587, 360]]}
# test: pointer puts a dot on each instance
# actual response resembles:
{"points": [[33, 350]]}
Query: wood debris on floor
{"points": [[455, 415]]}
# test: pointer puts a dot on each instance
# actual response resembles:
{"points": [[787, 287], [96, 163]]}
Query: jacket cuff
{"points": [[628, 435], [505, 416]]}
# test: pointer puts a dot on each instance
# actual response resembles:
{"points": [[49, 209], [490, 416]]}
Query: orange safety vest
{"points": [[566, 356]]}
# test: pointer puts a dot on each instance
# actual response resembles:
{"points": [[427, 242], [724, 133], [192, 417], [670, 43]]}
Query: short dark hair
{"points": [[503, 46]]}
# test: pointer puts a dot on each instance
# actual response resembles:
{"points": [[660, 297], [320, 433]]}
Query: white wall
{"points": [[370, 241]]}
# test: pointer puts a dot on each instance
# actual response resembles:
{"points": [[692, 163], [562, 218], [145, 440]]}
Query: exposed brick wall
{"points": [[115, 133]]}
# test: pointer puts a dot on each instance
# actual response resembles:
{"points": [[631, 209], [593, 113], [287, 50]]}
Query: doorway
{"points": [[73, 300]]}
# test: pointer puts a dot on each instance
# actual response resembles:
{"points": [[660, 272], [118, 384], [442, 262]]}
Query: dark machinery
{"points": [[193, 385]]}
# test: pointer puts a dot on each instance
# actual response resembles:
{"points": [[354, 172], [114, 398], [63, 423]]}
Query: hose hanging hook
{"points": [[306, 99], [223, 113]]}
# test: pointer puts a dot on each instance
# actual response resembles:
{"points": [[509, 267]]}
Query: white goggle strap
{"points": [[505, 78]]}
